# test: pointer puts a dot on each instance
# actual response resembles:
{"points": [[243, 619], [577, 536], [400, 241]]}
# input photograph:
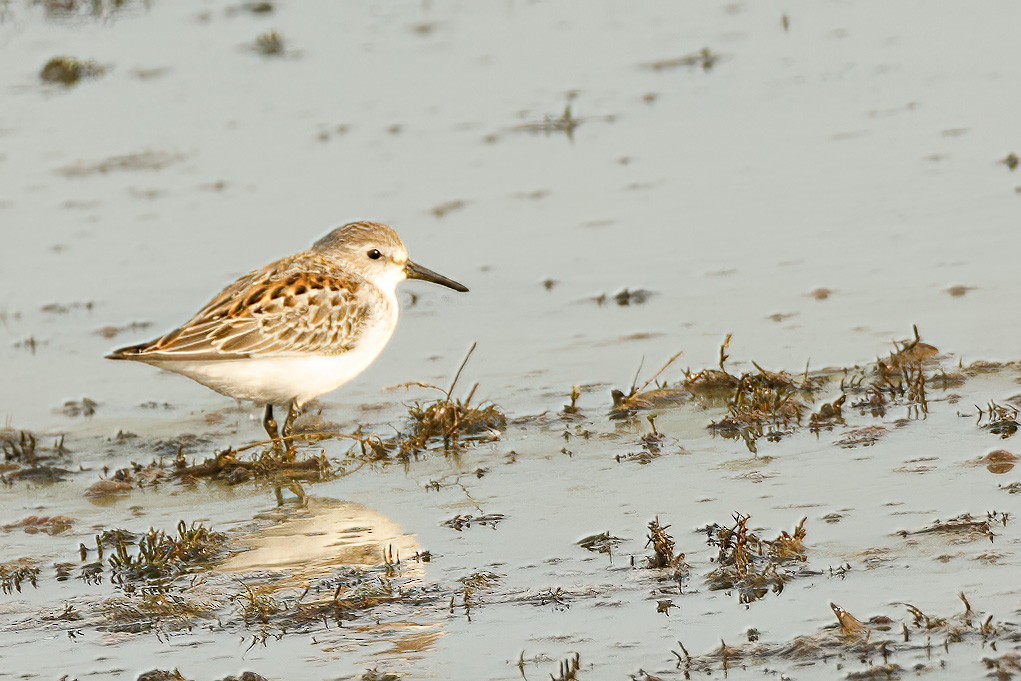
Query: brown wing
{"points": [[273, 311]]}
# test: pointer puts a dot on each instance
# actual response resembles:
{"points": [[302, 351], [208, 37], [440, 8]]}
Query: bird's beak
{"points": [[415, 271]]}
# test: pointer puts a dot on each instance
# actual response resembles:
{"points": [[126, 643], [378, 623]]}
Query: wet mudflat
{"points": [[826, 492]]}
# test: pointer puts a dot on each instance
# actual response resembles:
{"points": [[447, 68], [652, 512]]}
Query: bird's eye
{"points": [[375, 254]]}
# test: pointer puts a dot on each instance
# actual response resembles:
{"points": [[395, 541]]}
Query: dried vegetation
{"points": [[750, 566], [771, 405], [886, 648]]}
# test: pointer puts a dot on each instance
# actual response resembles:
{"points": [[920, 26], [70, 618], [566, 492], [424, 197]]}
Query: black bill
{"points": [[415, 271]]}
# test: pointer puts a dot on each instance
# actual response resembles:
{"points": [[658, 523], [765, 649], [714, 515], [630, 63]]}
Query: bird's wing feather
{"points": [[276, 310]]}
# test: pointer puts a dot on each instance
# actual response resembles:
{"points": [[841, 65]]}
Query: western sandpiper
{"points": [[298, 328]]}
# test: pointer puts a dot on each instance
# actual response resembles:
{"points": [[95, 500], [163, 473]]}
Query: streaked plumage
{"points": [[298, 328]]}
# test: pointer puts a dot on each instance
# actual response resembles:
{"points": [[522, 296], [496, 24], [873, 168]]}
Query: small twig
{"points": [[460, 369], [298, 436]]}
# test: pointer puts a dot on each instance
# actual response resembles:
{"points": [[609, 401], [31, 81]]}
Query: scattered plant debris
{"points": [[1000, 419], [83, 407], [51, 525], [871, 643], [565, 123], [13, 574], [626, 297], [963, 528], [145, 160], [463, 522]]}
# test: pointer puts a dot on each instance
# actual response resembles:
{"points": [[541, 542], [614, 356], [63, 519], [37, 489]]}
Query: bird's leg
{"points": [[293, 412], [270, 424]]}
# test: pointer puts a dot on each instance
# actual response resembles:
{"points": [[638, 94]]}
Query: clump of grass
{"points": [[752, 566], [899, 378], [69, 71], [16, 573], [665, 556], [764, 404], [20, 447], [450, 422], [158, 558], [24, 458]]}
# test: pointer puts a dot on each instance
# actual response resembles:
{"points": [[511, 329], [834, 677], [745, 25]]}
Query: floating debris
{"points": [[83, 407], [999, 461], [822, 293], [463, 522], [626, 405], [704, 59], [69, 71], [599, 543], [270, 44], [865, 436], [1011, 161], [51, 525], [962, 529], [626, 297], [566, 123], [958, 291], [112, 331], [441, 210], [868, 642]]}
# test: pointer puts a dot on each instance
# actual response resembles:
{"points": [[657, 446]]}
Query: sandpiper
{"points": [[299, 327]]}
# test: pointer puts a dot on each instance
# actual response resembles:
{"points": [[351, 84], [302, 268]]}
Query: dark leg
{"points": [[292, 413], [270, 424]]}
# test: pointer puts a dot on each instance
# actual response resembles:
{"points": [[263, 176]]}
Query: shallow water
{"points": [[857, 151]]}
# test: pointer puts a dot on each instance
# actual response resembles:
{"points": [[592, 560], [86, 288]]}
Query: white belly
{"points": [[279, 380]]}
